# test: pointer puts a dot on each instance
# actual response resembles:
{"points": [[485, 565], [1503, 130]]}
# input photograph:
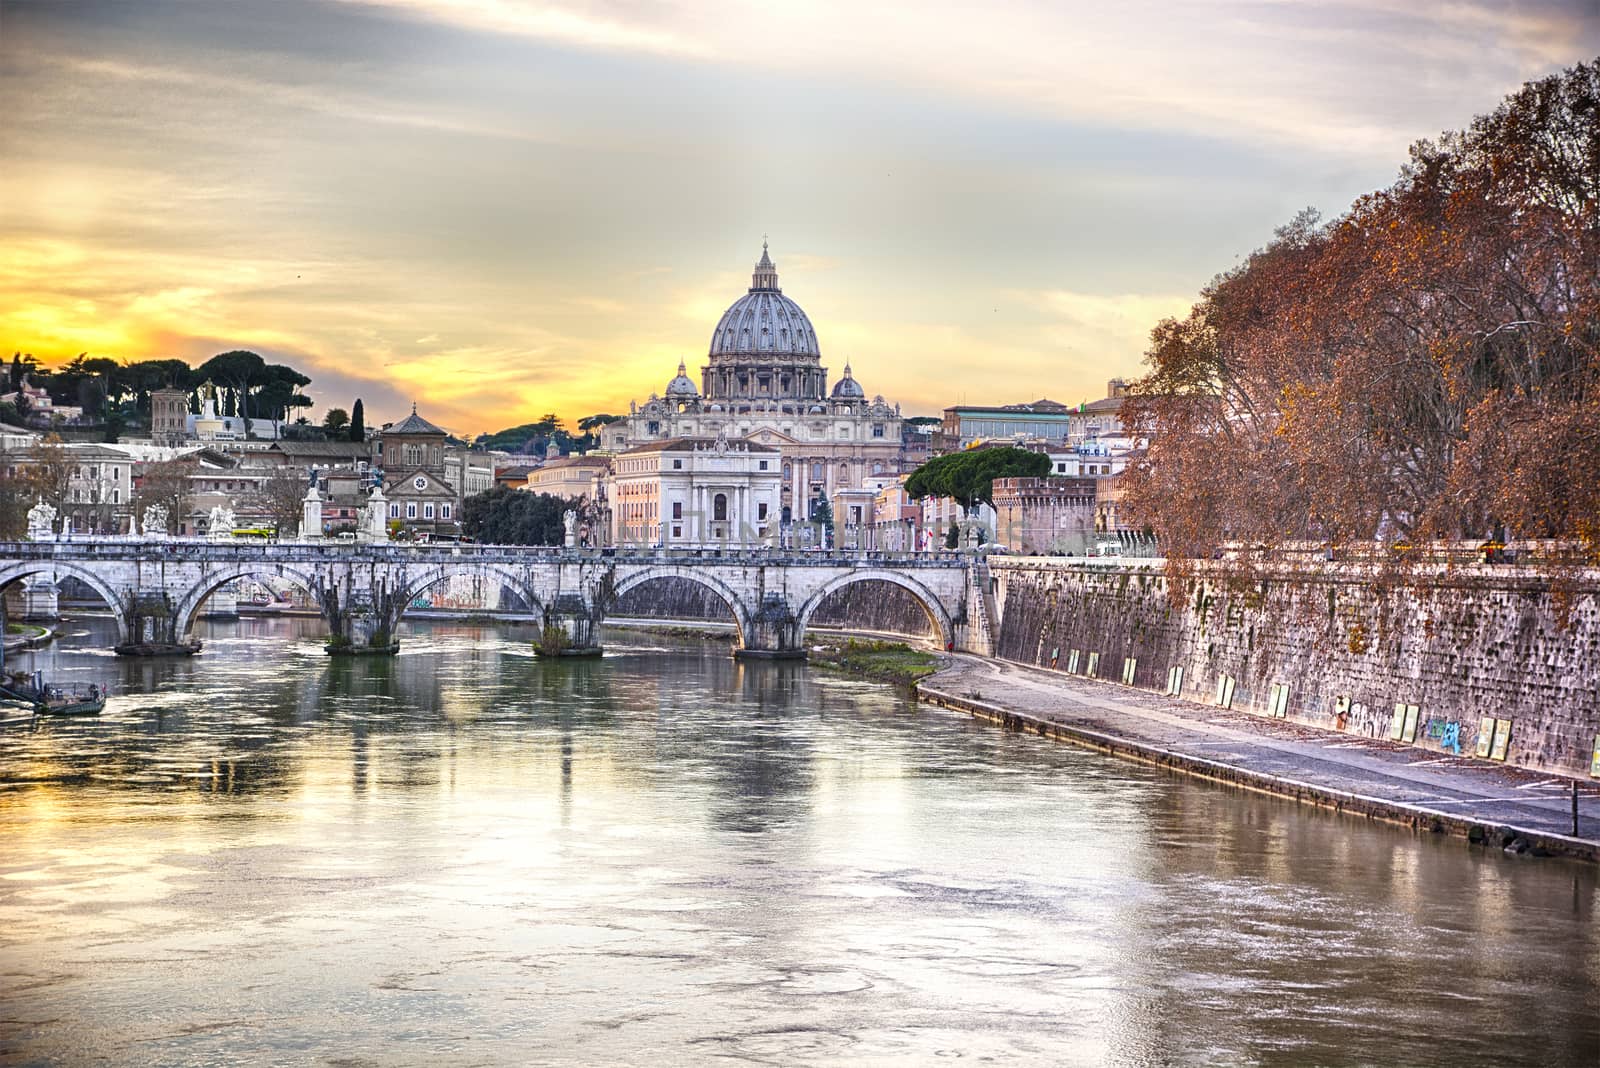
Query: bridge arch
{"points": [[735, 603], [929, 601], [114, 600], [433, 575], [213, 579]]}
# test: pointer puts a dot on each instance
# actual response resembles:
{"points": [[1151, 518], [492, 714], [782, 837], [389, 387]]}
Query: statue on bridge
{"points": [[155, 522], [221, 523], [41, 521]]}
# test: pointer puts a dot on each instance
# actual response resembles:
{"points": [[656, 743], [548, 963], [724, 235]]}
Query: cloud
{"points": [[1321, 76]]}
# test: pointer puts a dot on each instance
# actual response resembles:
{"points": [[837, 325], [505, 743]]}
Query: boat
{"points": [[72, 699]]}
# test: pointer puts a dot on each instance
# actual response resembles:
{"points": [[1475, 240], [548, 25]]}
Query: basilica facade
{"points": [[764, 383]]}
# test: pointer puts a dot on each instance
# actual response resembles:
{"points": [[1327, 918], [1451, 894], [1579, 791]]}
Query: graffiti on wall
{"points": [[1447, 732]]}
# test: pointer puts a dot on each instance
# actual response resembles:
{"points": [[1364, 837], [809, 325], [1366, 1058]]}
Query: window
{"points": [[411, 509], [394, 509], [761, 510], [677, 465], [877, 430], [444, 511], [677, 509], [427, 511], [719, 507], [763, 465], [677, 532], [788, 472], [116, 474], [116, 496]]}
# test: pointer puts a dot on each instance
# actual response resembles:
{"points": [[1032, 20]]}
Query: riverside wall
{"points": [[1335, 646]]}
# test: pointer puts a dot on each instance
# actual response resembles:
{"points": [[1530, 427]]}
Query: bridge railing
{"points": [[81, 547]]}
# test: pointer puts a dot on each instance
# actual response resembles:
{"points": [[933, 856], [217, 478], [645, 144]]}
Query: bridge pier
{"points": [[571, 628], [362, 625], [153, 628], [773, 633], [41, 598]]}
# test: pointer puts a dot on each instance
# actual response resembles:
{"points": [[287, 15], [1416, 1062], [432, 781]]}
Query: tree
{"points": [[505, 516], [238, 371], [952, 537], [51, 468], [166, 483], [1425, 365], [358, 422], [335, 421], [279, 498], [968, 476]]}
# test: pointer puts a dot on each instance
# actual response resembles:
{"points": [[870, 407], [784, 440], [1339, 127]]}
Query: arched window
{"points": [[719, 508]]}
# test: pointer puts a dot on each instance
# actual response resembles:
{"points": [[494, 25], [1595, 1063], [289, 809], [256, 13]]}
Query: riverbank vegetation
{"points": [[884, 661], [1424, 366]]}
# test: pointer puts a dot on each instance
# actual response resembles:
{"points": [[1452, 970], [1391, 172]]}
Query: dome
{"points": [[681, 386], [848, 388], [764, 322]]}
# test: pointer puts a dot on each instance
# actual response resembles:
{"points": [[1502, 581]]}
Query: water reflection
{"points": [[264, 854]]}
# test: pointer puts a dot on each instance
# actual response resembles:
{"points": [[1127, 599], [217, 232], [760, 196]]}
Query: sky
{"points": [[502, 208]]}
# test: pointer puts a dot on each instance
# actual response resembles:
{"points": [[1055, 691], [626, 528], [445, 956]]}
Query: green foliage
{"points": [[553, 641], [968, 477], [888, 661], [923, 420], [505, 516], [534, 438], [335, 421], [358, 422], [952, 537]]}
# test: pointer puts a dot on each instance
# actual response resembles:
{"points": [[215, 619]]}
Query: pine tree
{"points": [[358, 422]]}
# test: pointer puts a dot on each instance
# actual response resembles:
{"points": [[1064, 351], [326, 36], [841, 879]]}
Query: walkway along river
{"points": [[469, 855]]}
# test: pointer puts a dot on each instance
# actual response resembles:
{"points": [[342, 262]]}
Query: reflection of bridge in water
{"points": [[156, 588]]}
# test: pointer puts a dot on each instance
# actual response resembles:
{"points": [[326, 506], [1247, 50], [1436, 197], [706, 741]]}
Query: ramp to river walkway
{"points": [[1488, 804]]}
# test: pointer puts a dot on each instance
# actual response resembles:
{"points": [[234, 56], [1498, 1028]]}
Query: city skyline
{"points": [[505, 209]]}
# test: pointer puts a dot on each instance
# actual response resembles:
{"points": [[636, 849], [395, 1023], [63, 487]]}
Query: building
{"points": [[764, 382], [410, 455], [1040, 516], [1042, 420], [572, 477], [169, 416], [695, 492]]}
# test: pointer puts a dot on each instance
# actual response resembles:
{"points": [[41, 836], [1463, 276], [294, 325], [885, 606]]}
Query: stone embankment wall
{"points": [[1339, 646], [875, 606]]}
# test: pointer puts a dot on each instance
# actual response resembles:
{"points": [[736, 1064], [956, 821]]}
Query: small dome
{"points": [[848, 388], [682, 385]]}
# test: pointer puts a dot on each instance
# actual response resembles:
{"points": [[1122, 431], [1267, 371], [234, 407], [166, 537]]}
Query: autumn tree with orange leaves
{"points": [[1425, 366]]}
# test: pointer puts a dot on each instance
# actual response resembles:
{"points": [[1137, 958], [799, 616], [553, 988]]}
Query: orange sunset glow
{"points": [[501, 209]]}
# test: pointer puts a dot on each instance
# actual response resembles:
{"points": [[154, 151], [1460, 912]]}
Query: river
{"points": [[467, 855]]}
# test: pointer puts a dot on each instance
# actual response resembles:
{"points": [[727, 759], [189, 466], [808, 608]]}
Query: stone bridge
{"points": [[156, 588]]}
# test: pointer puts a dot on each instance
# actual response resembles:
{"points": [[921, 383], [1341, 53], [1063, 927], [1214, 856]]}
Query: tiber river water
{"points": [[466, 855]]}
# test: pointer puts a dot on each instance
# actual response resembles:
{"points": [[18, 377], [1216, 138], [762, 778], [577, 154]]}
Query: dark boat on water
{"points": [[61, 700]]}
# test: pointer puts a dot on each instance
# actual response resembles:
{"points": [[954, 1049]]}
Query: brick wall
{"points": [[1464, 644]]}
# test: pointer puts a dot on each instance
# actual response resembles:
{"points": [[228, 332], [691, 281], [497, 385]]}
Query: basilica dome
{"points": [[764, 322], [682, 387], [847, 388]]}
